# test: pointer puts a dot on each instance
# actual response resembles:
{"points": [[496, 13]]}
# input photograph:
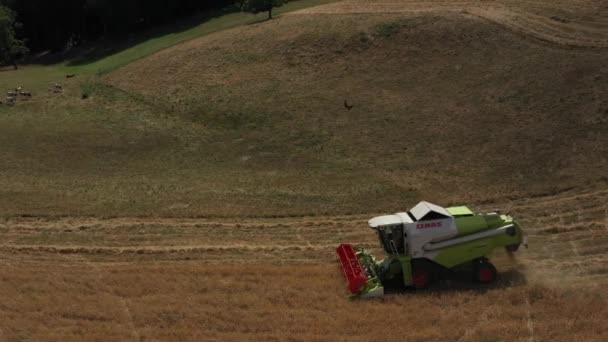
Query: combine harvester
{"points": [[426, 242]]}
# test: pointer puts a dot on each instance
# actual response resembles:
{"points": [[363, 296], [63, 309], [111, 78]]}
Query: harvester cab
{"points": [[425, 242]]}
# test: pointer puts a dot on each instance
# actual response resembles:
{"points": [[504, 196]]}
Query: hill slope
{"points": [[447, 106], [450, 105]]}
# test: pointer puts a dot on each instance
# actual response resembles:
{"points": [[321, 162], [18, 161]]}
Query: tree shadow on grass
{"points": [[97, 50]]}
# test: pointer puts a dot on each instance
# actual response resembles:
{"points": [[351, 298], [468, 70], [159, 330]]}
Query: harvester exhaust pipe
{"points": [[447, 243]]}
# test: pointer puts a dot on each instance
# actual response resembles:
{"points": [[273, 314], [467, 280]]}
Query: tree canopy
{"points": [[61, 25], [10, 47], [256, 6], [57, 25]]}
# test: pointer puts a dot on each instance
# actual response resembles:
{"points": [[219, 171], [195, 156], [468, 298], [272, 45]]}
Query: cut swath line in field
{"points": [[594, 212], [593, 238], [161, 249], [551, 201], [551, 213], [569, 230]]}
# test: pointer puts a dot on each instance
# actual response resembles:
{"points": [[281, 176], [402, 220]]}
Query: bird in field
{"points": [[347, 106]]}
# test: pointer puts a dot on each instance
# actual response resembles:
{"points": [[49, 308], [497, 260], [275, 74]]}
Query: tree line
{"points": [[57, 25]]}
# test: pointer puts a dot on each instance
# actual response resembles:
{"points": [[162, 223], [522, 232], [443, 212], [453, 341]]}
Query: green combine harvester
{"points": [[426, 242]]}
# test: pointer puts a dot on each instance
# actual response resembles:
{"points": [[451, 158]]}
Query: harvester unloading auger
{"points": [[424, 243]]}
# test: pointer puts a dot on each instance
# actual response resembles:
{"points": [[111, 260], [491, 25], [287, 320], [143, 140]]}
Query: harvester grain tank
{"points": [[424, 243]]}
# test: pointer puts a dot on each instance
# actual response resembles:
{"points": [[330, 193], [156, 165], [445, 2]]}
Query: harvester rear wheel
{"points": [[484, 272]]}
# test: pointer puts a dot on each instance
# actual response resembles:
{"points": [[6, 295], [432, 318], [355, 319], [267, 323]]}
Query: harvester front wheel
{"points": [[484, 272], [422, 277]]}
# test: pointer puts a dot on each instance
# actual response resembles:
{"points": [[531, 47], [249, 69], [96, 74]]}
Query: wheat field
{"points": [[278, 279]]}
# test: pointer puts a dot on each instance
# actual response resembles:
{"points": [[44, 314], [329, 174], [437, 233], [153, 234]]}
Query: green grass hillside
{"points": [[250, 122]]}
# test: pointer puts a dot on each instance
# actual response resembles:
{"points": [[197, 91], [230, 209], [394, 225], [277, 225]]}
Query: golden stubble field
{"points": [[278, 279]]}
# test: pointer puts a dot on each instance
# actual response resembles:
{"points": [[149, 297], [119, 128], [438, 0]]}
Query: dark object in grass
{"points": [[347, 106]]}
